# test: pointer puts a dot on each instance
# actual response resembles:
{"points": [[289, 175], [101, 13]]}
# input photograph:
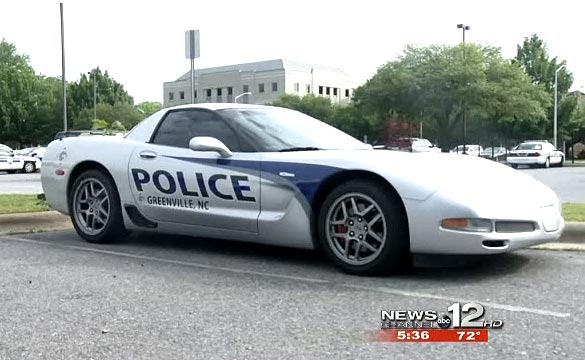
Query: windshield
{"points": [[276, 129]]}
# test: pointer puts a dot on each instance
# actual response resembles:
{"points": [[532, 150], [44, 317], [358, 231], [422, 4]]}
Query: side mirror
{"points": [[206, 143]]}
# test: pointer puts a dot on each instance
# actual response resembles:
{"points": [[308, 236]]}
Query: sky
{"points": [[142, 44]]}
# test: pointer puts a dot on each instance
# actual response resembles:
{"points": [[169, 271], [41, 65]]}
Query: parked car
{"points": [[473, 150], [536, 153], [498, 154], [37, 152], [277, 176], [415, 145], [12, 163]]}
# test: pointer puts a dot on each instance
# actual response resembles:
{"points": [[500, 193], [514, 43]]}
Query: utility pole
{"points": [[63, 69], [464, 28]]}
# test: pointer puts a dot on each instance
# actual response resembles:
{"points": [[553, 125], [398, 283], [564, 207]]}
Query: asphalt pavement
{"points": [[20, 183], [567, 182], [167, 297]]}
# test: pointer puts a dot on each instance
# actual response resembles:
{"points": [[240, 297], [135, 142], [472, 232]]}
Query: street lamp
{"points": [[555, 114], [239, 96], [463, 28]]}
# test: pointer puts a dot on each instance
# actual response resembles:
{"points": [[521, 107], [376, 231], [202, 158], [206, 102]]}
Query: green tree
{"points": [[126, 114], [436, 84], [315, 106], [80, 94], [18, 84], [108, 128], [534, 58], [149, 107]]}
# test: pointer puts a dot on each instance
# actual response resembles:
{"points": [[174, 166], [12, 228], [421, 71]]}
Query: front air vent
{"points": [[515, 226], [495, 244]]}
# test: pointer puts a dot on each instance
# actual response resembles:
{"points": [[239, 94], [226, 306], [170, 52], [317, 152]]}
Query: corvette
{"points": [[276, 176]]}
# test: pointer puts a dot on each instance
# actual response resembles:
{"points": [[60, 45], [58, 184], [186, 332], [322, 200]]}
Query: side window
{"points": [[179, 127]]}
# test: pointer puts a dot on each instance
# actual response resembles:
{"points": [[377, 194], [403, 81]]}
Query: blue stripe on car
{"points": [[307, 177]]}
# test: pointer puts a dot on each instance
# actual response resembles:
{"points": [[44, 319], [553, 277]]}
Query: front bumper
{"points": [[428, 237]]}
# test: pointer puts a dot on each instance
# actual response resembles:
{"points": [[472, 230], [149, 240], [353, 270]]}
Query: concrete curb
{"points": [[52, 220], [34, 222]]}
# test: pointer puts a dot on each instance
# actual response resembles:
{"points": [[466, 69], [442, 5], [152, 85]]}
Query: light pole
{"points": [[239, 96], [463, 28], [555, 111]]}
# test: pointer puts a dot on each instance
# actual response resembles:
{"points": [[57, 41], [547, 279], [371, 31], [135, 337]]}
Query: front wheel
{"points": [[95, 209], [363, 229]]}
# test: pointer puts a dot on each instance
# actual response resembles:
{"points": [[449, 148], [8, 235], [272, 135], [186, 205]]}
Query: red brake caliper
{"points": [[342, 229]]}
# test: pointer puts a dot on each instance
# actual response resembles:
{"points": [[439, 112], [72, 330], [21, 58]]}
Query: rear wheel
{"points": [[29, 167], [95, 208], [363, 230], [546, 163]]}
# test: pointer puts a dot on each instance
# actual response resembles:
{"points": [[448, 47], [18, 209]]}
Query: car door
{"points": [[7, 160], [172, 183]]}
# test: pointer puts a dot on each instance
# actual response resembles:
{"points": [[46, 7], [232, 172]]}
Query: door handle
{"points": [[148, 155]]}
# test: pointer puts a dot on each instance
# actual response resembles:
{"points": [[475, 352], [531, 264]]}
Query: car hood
{"points": [[418, 175]]}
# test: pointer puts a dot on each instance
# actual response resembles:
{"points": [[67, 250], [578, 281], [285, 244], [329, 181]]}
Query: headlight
{"points": [[467, 224]]}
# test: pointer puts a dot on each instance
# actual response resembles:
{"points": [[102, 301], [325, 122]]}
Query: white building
{"points": [[265, 80]]}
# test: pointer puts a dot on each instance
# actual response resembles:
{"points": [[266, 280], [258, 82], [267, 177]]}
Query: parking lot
{"points": [[155, 296], [20, 183]]}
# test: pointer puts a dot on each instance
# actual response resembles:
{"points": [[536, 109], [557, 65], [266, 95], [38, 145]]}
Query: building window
{"points": [[297, 87], [181, 95], [195, 93], [274, 86], [171, 96], [320, 90], [346, 92], [208, 93], [246, 88], [335, 91], [308, 89], [230, 90], [327, 90], [261, 88], [218, 91]]}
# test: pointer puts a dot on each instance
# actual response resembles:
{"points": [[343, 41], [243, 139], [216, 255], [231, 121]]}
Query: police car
{"points": [[276, 176], [12, 163]]}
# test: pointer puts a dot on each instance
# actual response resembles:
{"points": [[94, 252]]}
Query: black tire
{"points": [[113, 229], [29, 167], [514, 166], [562, 162], [395, 253]]}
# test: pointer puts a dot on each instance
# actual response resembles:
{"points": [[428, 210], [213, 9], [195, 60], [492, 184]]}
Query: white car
{"points": [[415, 145], [276, 176], [536, 153], [473, 150], [12, 163]]}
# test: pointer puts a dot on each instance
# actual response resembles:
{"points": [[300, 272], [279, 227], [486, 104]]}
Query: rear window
{"points": [[529, 147]]}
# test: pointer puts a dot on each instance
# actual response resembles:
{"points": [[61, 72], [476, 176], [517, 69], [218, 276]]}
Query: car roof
{"points": [[221, 106]]}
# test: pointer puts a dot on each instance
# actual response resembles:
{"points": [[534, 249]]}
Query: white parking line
{"points": [[448, 298], [399, 292]]}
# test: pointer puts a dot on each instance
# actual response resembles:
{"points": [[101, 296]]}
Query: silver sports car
{"points": [[276, 176]]}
